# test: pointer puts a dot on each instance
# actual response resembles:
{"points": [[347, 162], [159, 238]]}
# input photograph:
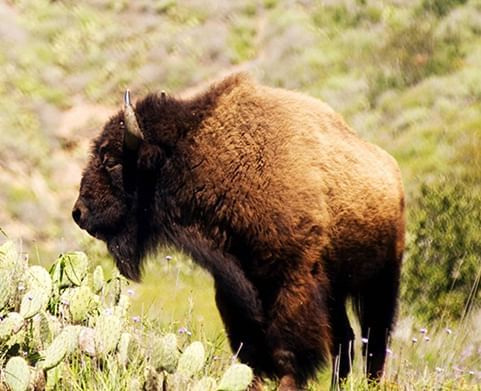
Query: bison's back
{"points": [[288, 165], [358, 186]]}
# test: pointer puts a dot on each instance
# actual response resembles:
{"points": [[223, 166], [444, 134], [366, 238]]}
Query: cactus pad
{"points": [[207, 383], [38, 278], [86, 341], [6, 287], [33, 302], [124, 343], [107, 332], [81, 301], [75, 266], [236, 378], [98, 280], [192, 359], [165, 354], [63, 344], [10, 325], [17, 374]]}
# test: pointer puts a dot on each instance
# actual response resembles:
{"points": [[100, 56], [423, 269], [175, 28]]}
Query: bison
{"points": [[271, 192]]}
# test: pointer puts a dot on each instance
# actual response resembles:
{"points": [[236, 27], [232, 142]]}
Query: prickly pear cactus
{"points": [[81, 301], [75, 267], [38, 278], [98, 280], [86, 341], [122, 307], [17, 374], [108, 329], [10, 325], [64, 343], [43, 330], [165, 354], [6, 288], [236, 378], [34, 301], [207, 383], [192, 359], [9, 256], [123, 348]]}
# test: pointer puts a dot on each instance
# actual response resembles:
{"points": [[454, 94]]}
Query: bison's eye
{"points": [[110, 163]]}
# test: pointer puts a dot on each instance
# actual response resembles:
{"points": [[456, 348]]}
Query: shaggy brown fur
{"points": [[279, 199]]}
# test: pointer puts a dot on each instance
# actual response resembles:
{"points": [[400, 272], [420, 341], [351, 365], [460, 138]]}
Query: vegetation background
{"points": [[406, 74]]}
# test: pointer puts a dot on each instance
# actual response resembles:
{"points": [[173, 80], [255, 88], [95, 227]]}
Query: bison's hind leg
{"points": [[376, 308], [298, 333]]}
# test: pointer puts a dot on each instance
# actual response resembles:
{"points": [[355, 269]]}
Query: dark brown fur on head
{"points": [[277, 198]]}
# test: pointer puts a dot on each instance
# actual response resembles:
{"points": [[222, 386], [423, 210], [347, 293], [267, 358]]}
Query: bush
{"points": [[443, 264]]}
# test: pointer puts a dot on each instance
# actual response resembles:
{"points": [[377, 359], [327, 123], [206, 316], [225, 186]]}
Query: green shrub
{"points": [[441, 7], [443, 264]]}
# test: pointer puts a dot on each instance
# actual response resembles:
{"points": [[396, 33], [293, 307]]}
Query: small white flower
{"points": [[414, 340], [388, 351], [364, 340], [136, 319], [439, 370], [21, 288], [168, 258], [426, 338], [448, 330], [423, 330], [130, 292]]}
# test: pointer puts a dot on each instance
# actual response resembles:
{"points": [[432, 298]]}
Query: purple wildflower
{"points": [[184, 330]]}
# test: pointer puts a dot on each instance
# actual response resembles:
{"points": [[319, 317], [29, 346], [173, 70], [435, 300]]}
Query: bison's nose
{"points": [[79, 213]]}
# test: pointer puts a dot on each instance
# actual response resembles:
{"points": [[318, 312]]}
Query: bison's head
{"points": [[113, 204]]}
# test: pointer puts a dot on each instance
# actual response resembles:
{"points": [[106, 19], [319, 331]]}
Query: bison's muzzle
{"points": [[79, 213]]}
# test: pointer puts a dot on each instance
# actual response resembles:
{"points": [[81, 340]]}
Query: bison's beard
{"points": [[124, 247]]}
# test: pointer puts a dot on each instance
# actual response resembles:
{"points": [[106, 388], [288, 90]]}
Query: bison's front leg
{"points": [[298, 332], [246, 335]]}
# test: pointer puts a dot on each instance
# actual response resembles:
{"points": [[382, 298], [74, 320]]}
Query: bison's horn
{"points": [[133, 134]]}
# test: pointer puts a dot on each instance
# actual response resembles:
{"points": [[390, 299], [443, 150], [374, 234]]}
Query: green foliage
{"points": [[443, 267], [441, 7]]}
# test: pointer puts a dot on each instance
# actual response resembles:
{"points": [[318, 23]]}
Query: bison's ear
{"points": [[132, 134]]}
